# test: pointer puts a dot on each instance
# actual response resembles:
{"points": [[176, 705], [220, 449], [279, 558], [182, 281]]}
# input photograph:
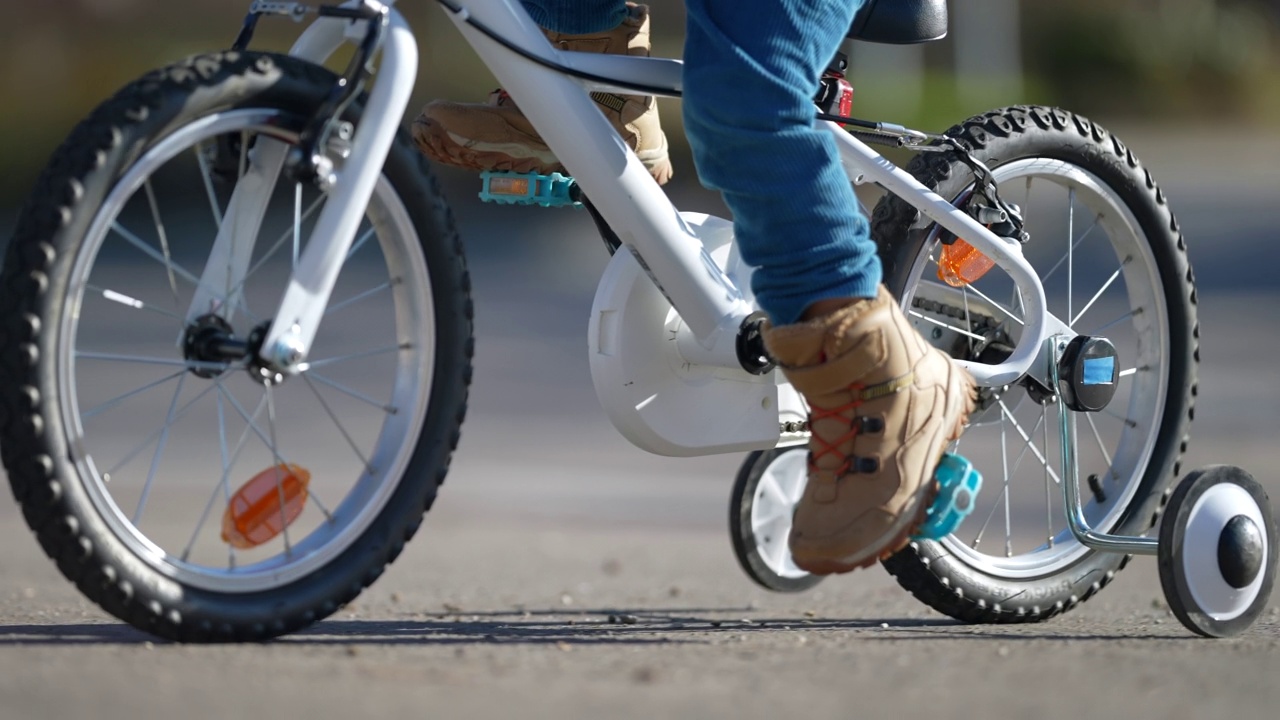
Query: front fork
{"points": [[372, 25]]}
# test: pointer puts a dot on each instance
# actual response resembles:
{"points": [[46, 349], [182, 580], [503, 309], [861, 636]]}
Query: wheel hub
{"points": [[1240, 551], [211, 342]]}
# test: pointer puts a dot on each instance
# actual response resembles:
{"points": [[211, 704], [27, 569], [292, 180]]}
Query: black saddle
{"points": [[900, 22]]}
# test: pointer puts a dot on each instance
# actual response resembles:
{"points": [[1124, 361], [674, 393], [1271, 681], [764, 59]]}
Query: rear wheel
{"points": [[1113, 264], [126, 433]]}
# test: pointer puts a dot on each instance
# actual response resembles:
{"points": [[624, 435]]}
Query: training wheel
{"points": [[1217, 551], [769, 484]]}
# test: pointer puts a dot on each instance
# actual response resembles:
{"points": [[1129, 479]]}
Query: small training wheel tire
{"points": [[764, 495], [1217, 552]]}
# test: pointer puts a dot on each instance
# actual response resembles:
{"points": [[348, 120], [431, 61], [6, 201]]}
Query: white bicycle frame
{"points": [[711, 304]]}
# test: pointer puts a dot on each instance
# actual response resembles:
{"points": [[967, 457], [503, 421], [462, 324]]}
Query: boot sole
{"points": [[901, 538], [434, 142]]}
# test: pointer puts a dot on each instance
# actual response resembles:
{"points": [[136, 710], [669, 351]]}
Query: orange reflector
{"points": [[509, 186], [962, 264], [263, 507]]}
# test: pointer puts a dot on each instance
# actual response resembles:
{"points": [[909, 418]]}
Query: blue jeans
{"points": [[751, 71]]}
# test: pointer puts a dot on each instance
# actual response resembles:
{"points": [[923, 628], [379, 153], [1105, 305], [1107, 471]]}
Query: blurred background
{"points": [[1160, 63], [1190, 85]]}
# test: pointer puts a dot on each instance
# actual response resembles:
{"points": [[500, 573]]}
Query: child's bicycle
{"points": [[237, 333]]}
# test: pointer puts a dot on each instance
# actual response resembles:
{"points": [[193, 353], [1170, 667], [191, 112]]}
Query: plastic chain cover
{"points": [[958, 485]]}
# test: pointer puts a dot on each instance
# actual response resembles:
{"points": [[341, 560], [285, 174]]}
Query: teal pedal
{"points": [[958, 485], [510, 188]]}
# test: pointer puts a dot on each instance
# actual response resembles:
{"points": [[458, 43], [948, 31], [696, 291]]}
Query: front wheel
{"points": [[1107, 249], [129, 430]]}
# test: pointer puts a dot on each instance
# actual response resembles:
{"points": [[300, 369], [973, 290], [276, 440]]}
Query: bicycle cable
{"points": [[492, 34]]}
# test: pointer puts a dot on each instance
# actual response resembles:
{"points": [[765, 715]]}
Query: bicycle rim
{"points": [[352, 416], [1100, 273]]}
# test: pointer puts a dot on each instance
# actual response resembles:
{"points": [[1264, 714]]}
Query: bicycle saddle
{"points": [[900, 22]]}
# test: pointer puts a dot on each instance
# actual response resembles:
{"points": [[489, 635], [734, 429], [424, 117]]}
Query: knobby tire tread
{"points": [[898, 230]]}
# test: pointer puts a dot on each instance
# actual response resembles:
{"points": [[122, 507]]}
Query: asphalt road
{"points": [[550, 523]]}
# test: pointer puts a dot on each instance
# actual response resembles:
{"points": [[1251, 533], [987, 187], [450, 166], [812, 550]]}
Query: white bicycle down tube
{"points": [[608, 172], [859, 159]]}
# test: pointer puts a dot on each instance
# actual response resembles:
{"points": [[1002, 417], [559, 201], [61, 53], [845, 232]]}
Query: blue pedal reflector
{"points": [[958, 485], [510, 188]]}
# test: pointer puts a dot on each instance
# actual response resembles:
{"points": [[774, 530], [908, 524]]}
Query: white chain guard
{"points": [[658, 400]]}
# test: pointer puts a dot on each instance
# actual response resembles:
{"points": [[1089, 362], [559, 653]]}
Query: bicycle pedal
{"points": [[958, 485], [511, 188]]}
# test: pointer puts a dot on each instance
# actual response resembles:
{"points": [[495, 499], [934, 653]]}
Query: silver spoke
{"points": [[228, 461], [160, 445], [338, 423], [359, 243], [164, 241], [1017, 462], [248, 419], [174, 266], [1009, 473], [939, 323], [275, 453], [1004, 409], [996, 305], [154, 254], [226, 484], [1070, 249], [1004, 491], [148, 440], [103, 407], [361, 296], [1004, 459], [1127, 421], [353, 393], [1101, 290], [269, 443], [207, 179], [275, 246], [353, 356], [1098, 437], [1117, 321], [1071, 246], [147, 360], [968, 320]]}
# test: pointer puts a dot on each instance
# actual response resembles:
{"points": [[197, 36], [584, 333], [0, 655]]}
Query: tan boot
{"points": [[496, 135], [884, 405]]}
